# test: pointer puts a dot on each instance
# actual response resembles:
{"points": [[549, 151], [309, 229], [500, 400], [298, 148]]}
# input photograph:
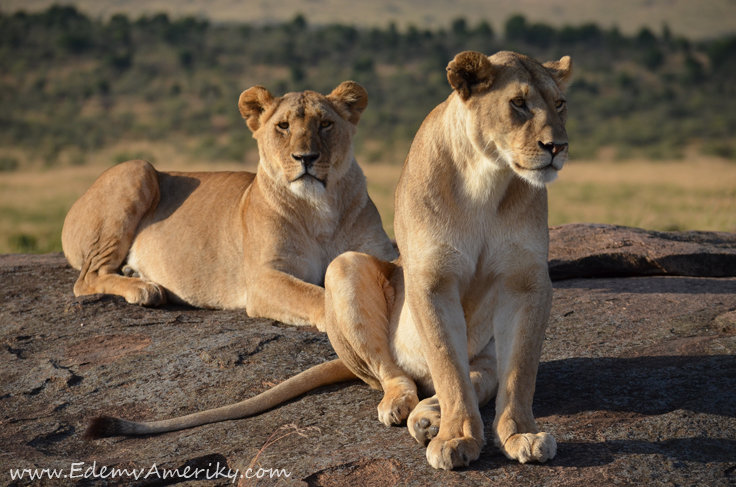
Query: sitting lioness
{"points": [[235, 239], [461, 315]]}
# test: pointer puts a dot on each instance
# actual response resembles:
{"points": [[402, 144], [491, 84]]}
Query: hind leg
{"points": [[100, 228], [359, 296], [424, 420]]}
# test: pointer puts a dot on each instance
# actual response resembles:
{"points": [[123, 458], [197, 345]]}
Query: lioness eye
{"points": [[283, 125], [325, 123], [559, 104], [518, 101]]}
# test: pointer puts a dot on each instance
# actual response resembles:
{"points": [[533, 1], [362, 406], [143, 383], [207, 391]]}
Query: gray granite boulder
{"points": [[637, 383], [596, 250]]}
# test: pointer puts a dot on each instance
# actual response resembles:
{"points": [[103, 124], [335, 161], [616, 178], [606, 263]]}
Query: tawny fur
{"points": [[319, 375], [461, 315], [236, 240]]}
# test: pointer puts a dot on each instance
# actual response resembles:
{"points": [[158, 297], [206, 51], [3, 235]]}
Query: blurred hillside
{"points": [[72, 85], [79, 93], [703, 19]]}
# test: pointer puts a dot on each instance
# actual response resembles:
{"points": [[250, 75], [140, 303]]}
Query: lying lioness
{"points": [[235, 239], [462, 313]]}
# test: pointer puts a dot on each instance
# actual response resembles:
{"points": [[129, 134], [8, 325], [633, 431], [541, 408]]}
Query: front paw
{"points": [[457, 452], [398, 401], [530, 447], [424, 420], [148, 294], [319, 320]]}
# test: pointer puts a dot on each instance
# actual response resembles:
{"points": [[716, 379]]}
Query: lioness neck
{"points": [[447, 149], [484, 175]]}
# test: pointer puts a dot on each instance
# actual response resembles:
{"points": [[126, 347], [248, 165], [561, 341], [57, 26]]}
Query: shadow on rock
{"points": [[701, 450], [653, 285], [597, 454], [642, 385]]}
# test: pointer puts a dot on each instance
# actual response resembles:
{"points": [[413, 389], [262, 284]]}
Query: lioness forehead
{"points": [[523, 69], [307, 104]]}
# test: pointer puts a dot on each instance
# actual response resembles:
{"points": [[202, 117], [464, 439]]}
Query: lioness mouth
{"points": [[534, 168], [307, 175]]}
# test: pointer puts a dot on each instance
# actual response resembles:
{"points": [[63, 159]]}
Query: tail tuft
{"points": [[103, 427]]}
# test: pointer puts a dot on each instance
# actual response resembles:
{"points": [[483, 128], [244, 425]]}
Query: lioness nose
{"points": [[306, 159], [553, 148]]}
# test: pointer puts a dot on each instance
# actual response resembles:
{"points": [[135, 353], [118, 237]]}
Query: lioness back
{"points": [[189, 244]]}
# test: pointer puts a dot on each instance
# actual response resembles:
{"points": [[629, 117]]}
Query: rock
{"points": [[594, 250], [637, 383]]}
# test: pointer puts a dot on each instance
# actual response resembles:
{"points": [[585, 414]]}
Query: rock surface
{"points": [[596, 250], [637, 383]]}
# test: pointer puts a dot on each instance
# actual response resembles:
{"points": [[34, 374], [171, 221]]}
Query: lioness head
{"points": [[517, 110], [305, 139]]}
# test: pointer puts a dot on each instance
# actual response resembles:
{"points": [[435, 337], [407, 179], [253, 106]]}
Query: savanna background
{"points": [[93, 83]]}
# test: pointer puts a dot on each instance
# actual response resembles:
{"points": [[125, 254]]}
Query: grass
{"points": [[689, 194], [35, 200], [697, 193], [33, 206]]}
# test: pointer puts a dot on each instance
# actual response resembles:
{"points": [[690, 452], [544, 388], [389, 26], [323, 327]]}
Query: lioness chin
{"points": [[235, 239], [460, 316]]}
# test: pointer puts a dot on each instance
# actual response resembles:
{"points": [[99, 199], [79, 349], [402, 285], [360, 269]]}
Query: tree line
{"points": [[73, 84]]}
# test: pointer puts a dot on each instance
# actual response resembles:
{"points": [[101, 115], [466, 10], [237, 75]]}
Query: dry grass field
{"points": [[34, 201], [690, 194]]}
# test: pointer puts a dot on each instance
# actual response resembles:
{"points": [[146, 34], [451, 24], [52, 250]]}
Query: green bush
{"points": [[723, 149], [8, 164], [23, 243]]}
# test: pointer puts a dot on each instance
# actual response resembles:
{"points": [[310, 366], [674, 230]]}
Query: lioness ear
{"points": [[561, 71], [470, 72], [350, 99], [252, 103]]}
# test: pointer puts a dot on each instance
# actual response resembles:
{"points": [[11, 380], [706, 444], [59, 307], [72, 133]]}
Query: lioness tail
{"points": [[320, 375]]}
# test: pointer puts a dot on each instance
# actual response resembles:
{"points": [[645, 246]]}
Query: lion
{"points": [[460, 316], [229, 240]]}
